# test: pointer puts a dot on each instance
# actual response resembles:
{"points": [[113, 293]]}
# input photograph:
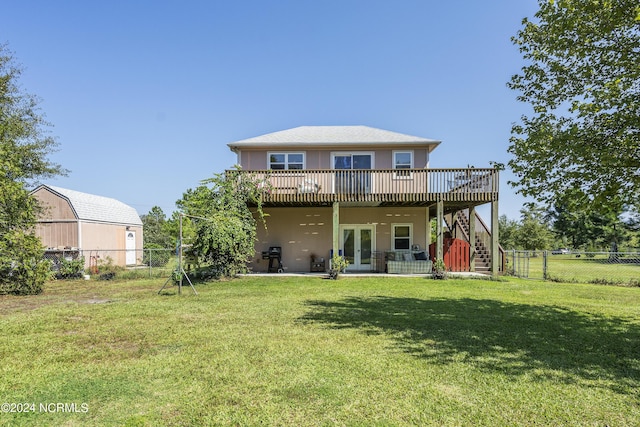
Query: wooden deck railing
{"points": [[380, 185]]}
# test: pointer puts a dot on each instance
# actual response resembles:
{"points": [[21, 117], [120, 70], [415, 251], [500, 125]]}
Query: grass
{"points": [[308, 351], [569, 268]]}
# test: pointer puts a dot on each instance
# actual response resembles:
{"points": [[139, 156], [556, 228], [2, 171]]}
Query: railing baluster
{"points": [[409, 185]]}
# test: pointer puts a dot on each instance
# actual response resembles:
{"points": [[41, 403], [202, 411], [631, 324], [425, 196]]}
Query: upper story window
{"points": [[286, 161], [403, 160]]}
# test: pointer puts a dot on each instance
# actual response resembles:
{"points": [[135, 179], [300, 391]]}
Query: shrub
{"points": [[601, 281], [338, 265], [105, 267], [23, 270], [439, 269], [70, 269]]}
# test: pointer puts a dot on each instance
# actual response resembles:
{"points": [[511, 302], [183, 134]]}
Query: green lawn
{"points": [[569, 268], [307, 351]]}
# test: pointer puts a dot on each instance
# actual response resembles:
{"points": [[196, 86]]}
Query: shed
{"points": [[87, 223]]}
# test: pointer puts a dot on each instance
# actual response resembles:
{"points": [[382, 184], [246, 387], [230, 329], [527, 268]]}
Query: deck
{"points": [[401, 187]]}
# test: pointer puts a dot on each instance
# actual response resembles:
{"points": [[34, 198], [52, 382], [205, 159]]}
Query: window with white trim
{"points": [[403, 160], [401, 236], [286, 161]]}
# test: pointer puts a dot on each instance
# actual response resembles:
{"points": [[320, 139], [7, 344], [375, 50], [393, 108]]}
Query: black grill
{"points": [[275, 259]]}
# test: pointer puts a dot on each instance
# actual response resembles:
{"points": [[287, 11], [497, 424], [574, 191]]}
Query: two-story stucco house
{"points": [[367, 194]]}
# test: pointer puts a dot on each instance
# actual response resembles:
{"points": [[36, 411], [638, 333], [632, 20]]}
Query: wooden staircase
{"points": [[483, 254], [458, 225]]}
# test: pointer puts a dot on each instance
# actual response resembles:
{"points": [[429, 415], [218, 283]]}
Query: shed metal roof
{"points": [[90, 207], [326, 135]]}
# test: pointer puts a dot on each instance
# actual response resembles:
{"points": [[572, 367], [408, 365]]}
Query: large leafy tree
{"points": [[582, 81], [24, 147], [221, 223], [589, 228]]}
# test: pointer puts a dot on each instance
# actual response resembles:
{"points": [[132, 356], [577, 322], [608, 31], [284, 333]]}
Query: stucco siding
{"points": [[317, 159], [384, 218], [302, 232], [321, 158]]}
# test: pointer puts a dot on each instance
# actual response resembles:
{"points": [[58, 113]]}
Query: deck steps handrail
{"points": [[483, 234]]}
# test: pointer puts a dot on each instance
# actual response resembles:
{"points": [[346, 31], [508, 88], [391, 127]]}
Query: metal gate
{"points": [[527, 264]]}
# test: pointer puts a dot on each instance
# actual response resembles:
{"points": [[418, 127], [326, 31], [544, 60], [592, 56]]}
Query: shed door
{"points": [[131, 247]]}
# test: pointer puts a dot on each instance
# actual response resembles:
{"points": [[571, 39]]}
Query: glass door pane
{"points": [[352, 181], [343, 177], [362, 179], [349, 245], [365, 246]]}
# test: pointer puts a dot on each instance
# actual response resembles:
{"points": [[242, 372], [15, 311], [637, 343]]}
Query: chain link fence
{"points": [[110, 263], [584, 267]]}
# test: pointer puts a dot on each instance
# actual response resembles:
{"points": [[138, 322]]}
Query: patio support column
{"points": [[336, 228], [472, 238], [495, 252], [427, 240], [439, 236]]}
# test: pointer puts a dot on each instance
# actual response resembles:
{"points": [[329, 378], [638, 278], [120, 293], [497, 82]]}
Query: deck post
{"points": [[336, 228], [439, 236], [495, 251], [427, 240], [472, 238]]}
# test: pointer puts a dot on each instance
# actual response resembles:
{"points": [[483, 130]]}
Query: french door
{"points": [[352, 176], [358, 243]]}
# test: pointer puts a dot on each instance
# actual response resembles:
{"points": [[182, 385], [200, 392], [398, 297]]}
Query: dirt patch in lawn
{"points": [[79, 292]]}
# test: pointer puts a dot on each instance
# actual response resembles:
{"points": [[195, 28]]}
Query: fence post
{"points": [[513, 264], [544, 265], [149, 261]]}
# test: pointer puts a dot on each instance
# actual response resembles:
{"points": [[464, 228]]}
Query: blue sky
{"points": [[145, 95]]}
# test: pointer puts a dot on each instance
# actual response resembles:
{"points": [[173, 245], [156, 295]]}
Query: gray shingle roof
{"points": [[319, 135], [90, 207]]}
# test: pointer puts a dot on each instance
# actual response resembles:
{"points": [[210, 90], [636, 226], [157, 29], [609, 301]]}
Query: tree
{"points": [[589, 228], [534, 232], [581, 80], [24, 147], [225, 228], [156, 230], [157, 238], [509, 229], [633, 225]]}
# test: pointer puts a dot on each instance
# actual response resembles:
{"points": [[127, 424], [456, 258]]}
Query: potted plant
{"points": [[338, 265], [439, 269]]}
